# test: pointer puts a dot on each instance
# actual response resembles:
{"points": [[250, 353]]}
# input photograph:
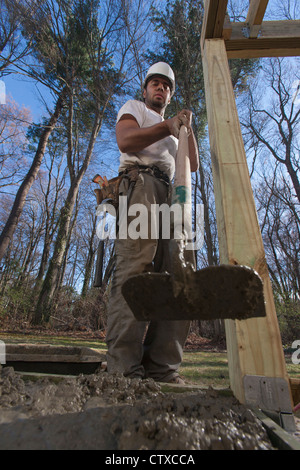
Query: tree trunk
{"points": [[211, 258], [44, 304], [99, 265], [44, 261], [294, 177], [43, 308], [16, 211], [89, 261]]}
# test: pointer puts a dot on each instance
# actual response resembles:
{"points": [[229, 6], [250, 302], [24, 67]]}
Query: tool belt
{"points": [[134, 170], [110, 191]]}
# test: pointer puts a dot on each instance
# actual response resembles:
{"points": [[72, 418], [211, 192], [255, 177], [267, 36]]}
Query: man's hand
{"points": [[183, 118]]}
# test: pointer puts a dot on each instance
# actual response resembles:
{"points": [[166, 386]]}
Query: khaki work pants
{"points": [[136, 348]]}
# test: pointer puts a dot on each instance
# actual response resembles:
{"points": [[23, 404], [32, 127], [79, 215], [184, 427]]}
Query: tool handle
{"points": [[182, 180]]}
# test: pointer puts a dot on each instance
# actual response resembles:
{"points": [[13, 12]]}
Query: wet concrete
{"points": [[111, 412]]}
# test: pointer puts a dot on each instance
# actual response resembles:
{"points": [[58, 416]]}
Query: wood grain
{"points": [[254, 346]]}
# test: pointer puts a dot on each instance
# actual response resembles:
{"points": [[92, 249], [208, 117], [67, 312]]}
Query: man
{"points": [[148, 144]]}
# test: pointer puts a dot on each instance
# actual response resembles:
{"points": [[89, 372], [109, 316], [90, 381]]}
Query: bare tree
{"points": [[280, 226], [274, 129], [14, 121], [92, 83], [12, 44], [270, 117], [51, 185], [14, 216]]}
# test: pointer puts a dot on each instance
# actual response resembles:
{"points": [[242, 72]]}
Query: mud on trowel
{"points": [[215, 292]]}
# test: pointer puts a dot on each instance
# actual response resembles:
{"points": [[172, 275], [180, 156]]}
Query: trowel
{"points": [[215, 292]]}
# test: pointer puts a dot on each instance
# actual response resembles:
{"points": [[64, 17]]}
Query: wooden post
{"points": [[254, 346], [256, 13]]}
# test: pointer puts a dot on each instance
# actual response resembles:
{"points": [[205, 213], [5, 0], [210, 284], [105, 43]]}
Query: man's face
{"points": [[157, 93]]}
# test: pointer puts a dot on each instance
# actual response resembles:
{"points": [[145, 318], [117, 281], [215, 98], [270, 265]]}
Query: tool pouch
{"points": [[109, 193]]}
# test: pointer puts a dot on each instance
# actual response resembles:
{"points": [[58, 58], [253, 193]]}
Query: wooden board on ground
{"points": [[46, 358]]}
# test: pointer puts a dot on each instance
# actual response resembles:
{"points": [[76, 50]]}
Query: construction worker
{"points": [[148, 144]]}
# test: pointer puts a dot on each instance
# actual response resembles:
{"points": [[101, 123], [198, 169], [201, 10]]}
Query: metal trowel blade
{"points": [[215, 292]]}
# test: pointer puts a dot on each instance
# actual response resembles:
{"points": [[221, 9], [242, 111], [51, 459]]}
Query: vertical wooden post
{"points": [[254, 346]]}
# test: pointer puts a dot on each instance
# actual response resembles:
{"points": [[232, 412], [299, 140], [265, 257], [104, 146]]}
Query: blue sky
{"points": [[28, 93]]}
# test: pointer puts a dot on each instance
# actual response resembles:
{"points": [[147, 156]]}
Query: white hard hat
{"points": [[161, 68]]}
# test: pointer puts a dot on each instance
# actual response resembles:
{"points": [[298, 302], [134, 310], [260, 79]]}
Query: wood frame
{"points": [[276, 39], [254, 38], [256, 13], [254, 346]]}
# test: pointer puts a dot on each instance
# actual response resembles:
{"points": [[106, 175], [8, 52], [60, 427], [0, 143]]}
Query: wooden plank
{"points": [[256, 13], [255, 48], [220, 18], [52, 358], [254, 346], [281, 439], [288, 29], [214, 17], [50, 353], [276, 39], [255, 53], [208, 20], [227, 28]]}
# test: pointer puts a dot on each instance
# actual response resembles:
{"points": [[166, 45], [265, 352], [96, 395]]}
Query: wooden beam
{"points": [[213, 21], [220, 18], [256, 13], [276, 39], [254, 346], [255, 51], [227, 28], [269, 30]]}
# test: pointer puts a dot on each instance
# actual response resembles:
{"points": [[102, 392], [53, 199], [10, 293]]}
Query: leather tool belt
{"points": [[134, 170]]}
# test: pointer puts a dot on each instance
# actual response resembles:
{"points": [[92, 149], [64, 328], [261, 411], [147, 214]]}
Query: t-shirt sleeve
{"points": [[135, 109]]}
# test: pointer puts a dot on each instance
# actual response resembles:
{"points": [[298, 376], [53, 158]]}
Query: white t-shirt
{"points": [[162, 153]]}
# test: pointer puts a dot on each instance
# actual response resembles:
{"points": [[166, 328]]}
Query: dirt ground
{"points": [[102, 411]]}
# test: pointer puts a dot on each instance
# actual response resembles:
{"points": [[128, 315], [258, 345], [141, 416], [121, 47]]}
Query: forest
{"points": [[86, 58]]}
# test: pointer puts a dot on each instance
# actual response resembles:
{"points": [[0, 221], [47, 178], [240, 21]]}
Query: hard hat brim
{"points": [[159, 75], [161, 69]]}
